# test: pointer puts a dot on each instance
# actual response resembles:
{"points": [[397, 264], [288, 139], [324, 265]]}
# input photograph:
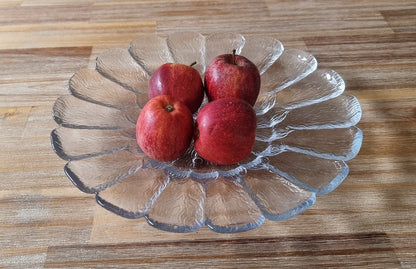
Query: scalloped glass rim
{"points": [[306, 133]]}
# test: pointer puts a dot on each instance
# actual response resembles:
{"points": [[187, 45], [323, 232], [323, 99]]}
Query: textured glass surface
{"points": [[305, 135]]}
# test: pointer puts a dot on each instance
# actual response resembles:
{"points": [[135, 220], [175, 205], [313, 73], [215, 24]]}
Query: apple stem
{"points": [[169, 108], [234, 56], [192, 64]]}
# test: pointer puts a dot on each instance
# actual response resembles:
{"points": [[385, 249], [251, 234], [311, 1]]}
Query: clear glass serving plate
{"points": [[306, 132]]}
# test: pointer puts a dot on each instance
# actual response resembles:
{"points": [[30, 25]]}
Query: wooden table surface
{"points": [[367, 222]]}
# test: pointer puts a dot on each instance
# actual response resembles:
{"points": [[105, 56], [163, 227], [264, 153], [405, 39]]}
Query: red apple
{"points": [[231, 75], [225, 131], [164, 128], [180, 81]]}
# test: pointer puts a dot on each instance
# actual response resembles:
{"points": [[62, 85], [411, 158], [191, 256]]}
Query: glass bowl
{"points": [[305, 134]]}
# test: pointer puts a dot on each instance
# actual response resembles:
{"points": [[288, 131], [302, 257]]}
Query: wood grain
{"points": [[269, 252], [367, 222]]}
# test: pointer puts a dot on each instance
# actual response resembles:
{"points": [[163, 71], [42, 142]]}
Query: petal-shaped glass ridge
{"points": [[263, 51], [340, 112], [135, 195], [99, 172], [75, 144], [337, 144], [119, 66], [305, 135], [292, 66], [230, 208], [91, 86], [187, 48], [222, 43], [310, 172], [180, 207], [317, 87], [150, 51], [278, 198], [73, 112]]}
